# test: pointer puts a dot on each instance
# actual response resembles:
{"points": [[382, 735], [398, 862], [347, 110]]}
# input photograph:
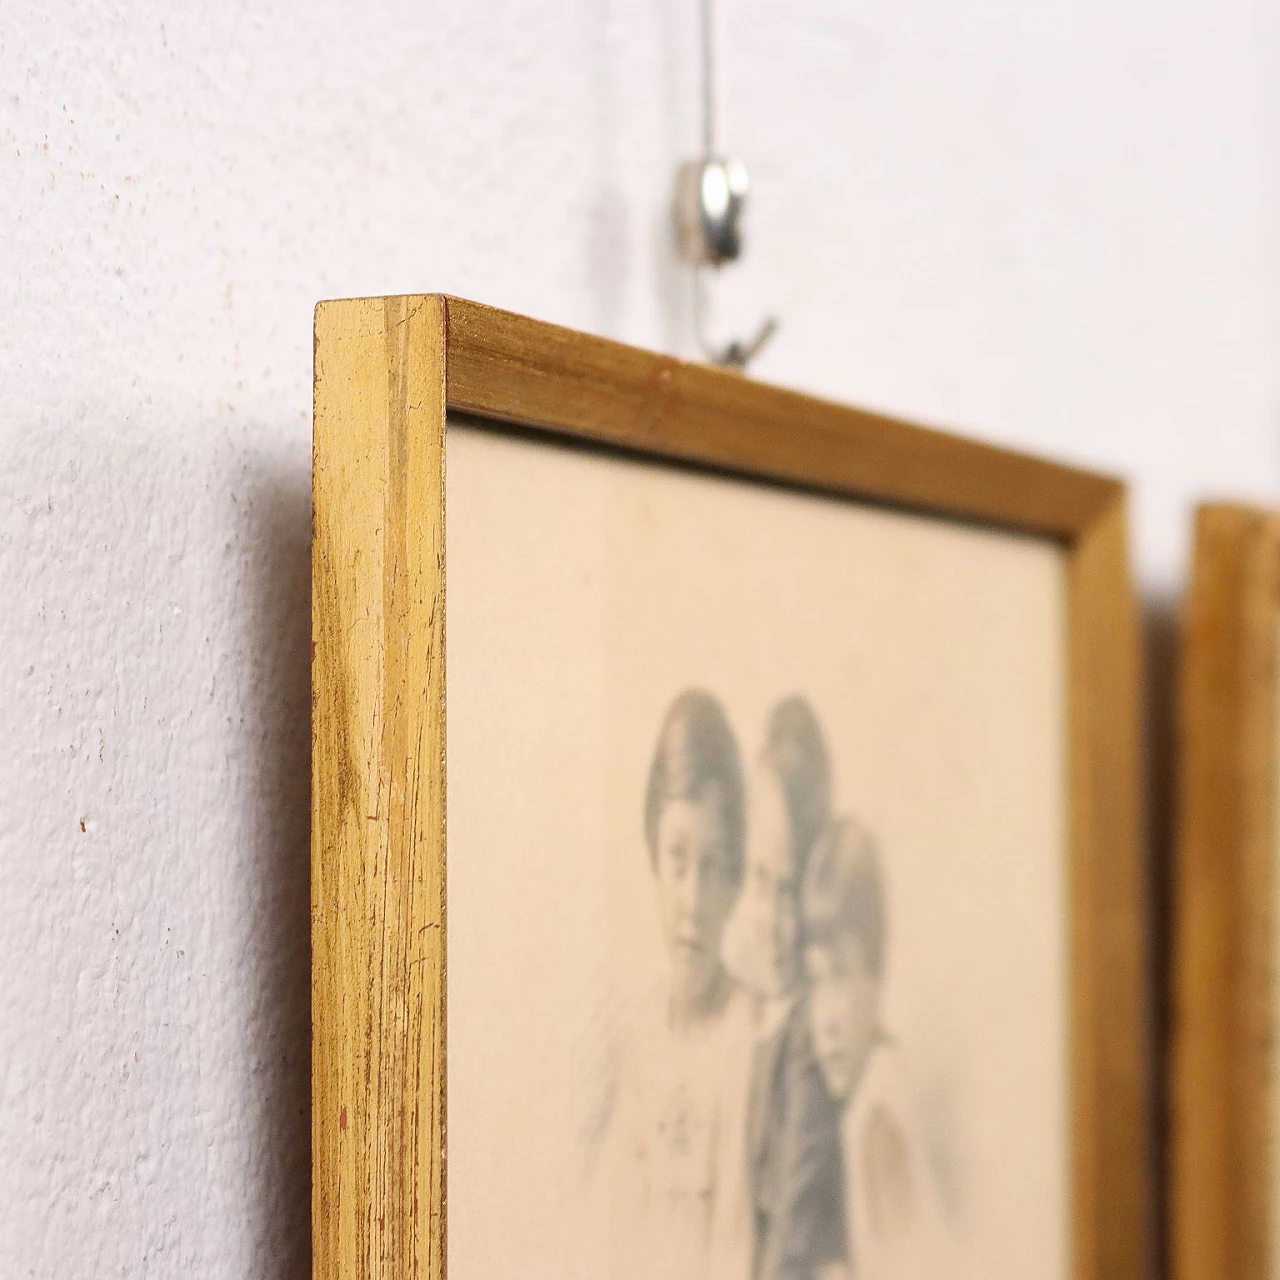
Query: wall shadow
{"points": [[278, 572]]}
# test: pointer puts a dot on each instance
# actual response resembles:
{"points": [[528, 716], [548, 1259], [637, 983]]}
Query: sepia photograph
{"points": [[757, 948], [762, 1124]]}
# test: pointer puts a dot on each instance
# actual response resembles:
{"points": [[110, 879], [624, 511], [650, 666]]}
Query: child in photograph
{"points": [[793, 1146], [681, 1202], [891, 1207], [789, 806]]}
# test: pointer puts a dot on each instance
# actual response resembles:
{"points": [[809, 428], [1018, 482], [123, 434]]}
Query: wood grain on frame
{"points": [[387, 372], [1110, 1118], [517, 370], [1222, 968], [377, 800]]}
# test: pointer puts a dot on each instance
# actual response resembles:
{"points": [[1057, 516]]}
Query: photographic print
{"points": [[755, 869], [725, 842]]}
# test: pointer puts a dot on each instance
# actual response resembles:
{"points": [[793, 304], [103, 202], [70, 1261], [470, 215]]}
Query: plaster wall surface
{"points": [[1048, 225]]}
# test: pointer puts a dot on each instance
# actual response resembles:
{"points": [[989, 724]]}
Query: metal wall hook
{"points": [[710, 200], [734, 354]]}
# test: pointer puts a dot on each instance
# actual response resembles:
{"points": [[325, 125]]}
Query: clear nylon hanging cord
{"points": [[708, 81]]}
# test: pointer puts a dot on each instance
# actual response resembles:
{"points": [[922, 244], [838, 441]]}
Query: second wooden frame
{"points": [[1224, 902]]}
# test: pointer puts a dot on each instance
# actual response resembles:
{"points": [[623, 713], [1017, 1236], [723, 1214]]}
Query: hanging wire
{"points": [[707, 11]]}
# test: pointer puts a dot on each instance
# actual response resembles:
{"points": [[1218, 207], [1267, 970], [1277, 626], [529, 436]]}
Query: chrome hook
{"points": [[711, 196], [710, 199], [736, 353]]}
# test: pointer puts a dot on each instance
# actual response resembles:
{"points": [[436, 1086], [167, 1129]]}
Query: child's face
{"points": [[844, 1008], [693, 870], [770, 891]]}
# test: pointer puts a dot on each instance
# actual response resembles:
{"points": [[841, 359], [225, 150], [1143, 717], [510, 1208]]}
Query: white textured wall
{"points": [[1049, 224]]}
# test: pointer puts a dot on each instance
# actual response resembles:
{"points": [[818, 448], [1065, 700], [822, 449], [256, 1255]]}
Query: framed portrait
{"points": [[1224, 1169], [726, 835]]}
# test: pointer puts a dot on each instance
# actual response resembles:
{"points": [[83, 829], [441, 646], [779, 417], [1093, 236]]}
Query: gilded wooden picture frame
{"points": [[651, 563], [1222, 1162]]}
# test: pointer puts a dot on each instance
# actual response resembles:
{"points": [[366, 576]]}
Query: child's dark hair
{"points": [[697, 752], [844, 892], [795, 752]]}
